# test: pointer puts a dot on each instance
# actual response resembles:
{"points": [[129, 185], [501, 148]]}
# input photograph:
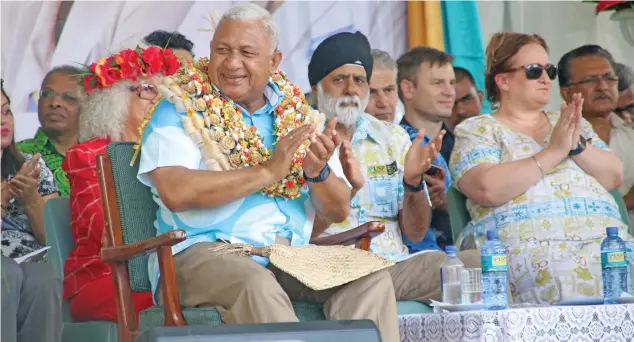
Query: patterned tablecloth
{"points": [[609, 323]]}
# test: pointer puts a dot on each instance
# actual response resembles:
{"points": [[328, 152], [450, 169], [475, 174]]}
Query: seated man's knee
{"points": [[379, 281], [261, 283]]}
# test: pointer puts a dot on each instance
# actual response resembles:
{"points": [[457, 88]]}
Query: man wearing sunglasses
{"points": [[58, 108], [590, 70]]}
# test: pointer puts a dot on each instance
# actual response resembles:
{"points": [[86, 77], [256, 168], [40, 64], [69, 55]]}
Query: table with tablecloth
{"points": [[613, 323]]}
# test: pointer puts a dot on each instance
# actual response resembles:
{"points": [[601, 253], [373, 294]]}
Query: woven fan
{"points": [[318, 267]]}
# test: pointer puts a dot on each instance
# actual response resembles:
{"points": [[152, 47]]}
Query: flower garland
{"points": [[130, 65], [226, 142]]}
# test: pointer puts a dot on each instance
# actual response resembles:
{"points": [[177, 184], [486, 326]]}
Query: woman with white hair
{"points": [[121, 91]]}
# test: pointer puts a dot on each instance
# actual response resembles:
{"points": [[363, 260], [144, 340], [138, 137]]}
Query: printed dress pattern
{"points": [[554, 230]]}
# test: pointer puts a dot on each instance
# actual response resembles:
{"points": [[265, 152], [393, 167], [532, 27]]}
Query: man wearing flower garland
{"points": [[207, 153], [387, 181]]}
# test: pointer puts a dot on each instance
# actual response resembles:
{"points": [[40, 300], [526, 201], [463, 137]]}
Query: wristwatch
{"points": [[581, 146], [323, 175], [411, 188]]}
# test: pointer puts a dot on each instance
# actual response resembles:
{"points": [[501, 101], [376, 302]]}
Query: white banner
{"points": [[96, 29]]}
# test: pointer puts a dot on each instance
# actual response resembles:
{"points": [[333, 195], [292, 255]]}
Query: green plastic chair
{"points": [[137, 212], [60, 239], [459, 215]]}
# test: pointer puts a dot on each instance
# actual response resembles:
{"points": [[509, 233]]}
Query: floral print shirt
{"points": [[17, 236]]}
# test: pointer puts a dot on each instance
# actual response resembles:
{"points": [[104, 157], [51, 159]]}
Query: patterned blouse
{"points": [[17, 236], [42, 145], [553, 231]]}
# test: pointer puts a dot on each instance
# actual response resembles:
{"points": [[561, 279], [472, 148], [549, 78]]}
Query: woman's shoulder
{"points": [[481, 124], [92, 146], [40, 163], [84, 154]]}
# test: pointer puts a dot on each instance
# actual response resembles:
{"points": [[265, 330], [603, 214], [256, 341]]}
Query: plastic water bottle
{"points": [[613, 264], [494, 273], [450, 272], [629, 246]]}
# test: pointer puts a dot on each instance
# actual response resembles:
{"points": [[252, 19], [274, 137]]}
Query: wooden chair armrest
{"points": [[126, 252], [360, 236]]}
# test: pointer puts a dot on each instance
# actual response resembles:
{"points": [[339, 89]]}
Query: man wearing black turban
{"points": [[382, 166]]}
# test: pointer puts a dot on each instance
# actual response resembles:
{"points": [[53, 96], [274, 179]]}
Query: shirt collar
{"points": [[412, 131], [616, 121], [369, 126], [40, 139]]}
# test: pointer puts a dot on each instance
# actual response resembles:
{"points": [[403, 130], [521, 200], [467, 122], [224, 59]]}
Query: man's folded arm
{"points": [[182, 189]]}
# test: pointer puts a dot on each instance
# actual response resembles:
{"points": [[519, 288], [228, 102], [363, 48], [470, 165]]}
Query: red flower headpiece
{"points": [[130, 65]]}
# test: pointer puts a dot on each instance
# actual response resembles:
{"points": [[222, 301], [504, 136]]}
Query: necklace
{"points": [[226, 142]]}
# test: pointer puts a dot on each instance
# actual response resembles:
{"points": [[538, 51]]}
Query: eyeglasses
{"points": [[535, 71], [66, 97], [609, 79], [145, 91]]}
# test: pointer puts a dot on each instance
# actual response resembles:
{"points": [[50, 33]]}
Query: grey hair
{"points": [[250, 11], [66, 70], [104, 112], [625, 75], [383, 60]]}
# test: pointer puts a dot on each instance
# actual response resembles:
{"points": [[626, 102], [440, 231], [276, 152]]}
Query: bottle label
{"points": [[613, 259], [494, 263]]}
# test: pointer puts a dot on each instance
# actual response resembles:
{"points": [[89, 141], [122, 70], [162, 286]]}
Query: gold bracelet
{"points": [[541, 169]]}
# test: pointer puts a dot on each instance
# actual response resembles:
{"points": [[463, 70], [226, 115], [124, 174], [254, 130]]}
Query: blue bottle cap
{"points": [[612, 231], [451, 249], [492, 234]]}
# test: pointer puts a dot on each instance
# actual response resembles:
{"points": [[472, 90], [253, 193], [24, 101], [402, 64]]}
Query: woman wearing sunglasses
{"points": [[539, 178], [121, 91]]}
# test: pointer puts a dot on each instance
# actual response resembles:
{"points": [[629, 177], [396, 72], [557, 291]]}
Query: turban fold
{"points": [[337, 50]]}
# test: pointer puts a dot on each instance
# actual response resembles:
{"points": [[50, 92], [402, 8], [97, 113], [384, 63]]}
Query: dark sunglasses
{"points": [[535, 71]]}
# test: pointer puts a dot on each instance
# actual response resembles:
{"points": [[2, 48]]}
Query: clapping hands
{"points": [[351, 166], [567, 131], [24, 185], [419, 158]]}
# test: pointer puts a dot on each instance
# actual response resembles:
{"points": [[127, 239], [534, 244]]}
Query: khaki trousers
{"points": [[245, 292], [418, 278]]}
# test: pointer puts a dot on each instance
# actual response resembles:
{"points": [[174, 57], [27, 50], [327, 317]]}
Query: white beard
{"points": [[347, 109]]}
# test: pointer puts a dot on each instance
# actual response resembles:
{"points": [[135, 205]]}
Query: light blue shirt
{"points": [[256, 219]]}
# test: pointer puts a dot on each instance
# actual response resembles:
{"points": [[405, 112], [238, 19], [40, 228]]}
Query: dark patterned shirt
{"points": [[17, 236], [42, 145]]}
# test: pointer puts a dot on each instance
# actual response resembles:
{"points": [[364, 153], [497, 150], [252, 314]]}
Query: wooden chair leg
{"points": [[171, 302]]}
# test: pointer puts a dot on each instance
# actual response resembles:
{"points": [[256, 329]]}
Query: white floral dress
{"points": [[553, 231]]}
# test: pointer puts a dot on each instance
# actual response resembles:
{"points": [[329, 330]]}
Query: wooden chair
{"points": [[129, 213]]}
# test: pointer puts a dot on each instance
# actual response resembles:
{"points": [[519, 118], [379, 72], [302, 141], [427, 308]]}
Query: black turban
{"points": [[337, 50]]}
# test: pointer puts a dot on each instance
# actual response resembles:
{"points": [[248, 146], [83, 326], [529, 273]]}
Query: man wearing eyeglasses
{"points": [[58, 109], [590, 70]]}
